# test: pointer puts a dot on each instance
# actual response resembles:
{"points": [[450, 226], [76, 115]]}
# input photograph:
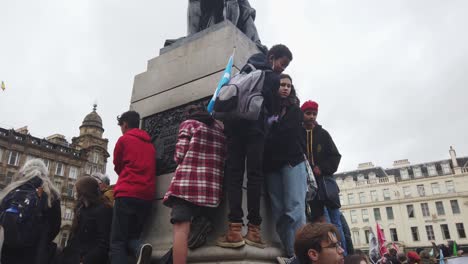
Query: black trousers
{"points": [[245, 147]]}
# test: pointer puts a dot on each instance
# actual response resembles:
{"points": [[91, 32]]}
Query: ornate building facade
{"points": [[414, 203], [66, 161]]}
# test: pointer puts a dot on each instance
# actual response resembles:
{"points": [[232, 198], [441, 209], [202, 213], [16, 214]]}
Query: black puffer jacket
{"points": [[90, 242], [326, 155], [285, 143]]}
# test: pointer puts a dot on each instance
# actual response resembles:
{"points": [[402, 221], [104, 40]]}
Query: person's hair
{"points": [[101, 177], [424, 254], [402, 257], [355, 259], [132, 119], [292, 98], [393, 252], [33, 168], [309, 237], [278, 51]]}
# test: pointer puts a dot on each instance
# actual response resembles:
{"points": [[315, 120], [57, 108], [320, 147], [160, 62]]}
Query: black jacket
{"points": [[326, 155], [90, 241], [285, 143]]}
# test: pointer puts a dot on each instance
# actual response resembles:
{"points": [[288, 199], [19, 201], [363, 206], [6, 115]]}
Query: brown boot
{"points": [[254, 237], [232, 238]]}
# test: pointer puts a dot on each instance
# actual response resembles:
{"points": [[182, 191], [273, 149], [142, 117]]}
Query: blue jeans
{"points": [[333, 216], [130, 214], [287, 189]]}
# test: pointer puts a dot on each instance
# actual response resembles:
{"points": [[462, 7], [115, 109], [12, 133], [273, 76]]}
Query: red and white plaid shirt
{"points": [[199, 153]]}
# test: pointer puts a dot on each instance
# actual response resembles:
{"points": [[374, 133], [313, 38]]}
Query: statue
{"points": [[204, 13]]}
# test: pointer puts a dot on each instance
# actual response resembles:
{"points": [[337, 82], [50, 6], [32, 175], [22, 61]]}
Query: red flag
{"points": [[381, 237]]}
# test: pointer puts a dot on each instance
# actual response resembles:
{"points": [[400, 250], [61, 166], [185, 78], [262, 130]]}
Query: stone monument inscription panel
{"points": [[163, 128]]}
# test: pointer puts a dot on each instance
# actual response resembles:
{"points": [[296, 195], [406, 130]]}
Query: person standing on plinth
{"points": [[245, 144], [135, 163]]}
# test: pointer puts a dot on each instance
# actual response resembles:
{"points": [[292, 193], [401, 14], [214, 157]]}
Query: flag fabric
{"points": [[381, 238], [3, 86], [441, 257], [225, 79], [455, 250], [373, 247], [395, 246]]}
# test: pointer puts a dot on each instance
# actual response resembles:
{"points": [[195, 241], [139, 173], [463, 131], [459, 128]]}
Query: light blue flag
{"points": [[441, 257], [225, 79]]}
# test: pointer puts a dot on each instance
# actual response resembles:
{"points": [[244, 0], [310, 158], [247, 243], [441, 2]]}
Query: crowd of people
{"points": [[275, 150]]}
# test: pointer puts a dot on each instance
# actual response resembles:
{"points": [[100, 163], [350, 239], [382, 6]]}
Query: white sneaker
{"points": [[145, 254]]}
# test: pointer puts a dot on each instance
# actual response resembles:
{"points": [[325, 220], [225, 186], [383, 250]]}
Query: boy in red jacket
{"points": [[134, 162]]}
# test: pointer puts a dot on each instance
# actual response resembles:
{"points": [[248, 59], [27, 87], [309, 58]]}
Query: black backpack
{"points": [[21, 212]]}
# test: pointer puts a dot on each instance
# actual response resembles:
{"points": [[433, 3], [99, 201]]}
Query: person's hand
{"points": [[272, 119], [317, 171]]}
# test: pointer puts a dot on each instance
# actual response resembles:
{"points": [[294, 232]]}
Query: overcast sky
{"points": [[390, 76]]}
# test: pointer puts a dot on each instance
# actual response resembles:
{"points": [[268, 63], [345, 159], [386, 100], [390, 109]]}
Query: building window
{"points": [[386, 194], [425, 210], [446, 168], [415, 233], [440, 208], [407, 191], [460, 230], [421, 190], [445, 231], [410, 210], [59, 169], [393, 234], [46, 162], [435, 188], [68, 214], [9, 177], [374, 196], [1, 155], [13, 159], [430, 232], [377, 215], [88, 169], [431, 170], [70, 190], [360, 177], [366, 234], [417, 172], [372, 175], [455, 207], [389, 213], [362, 197], [73, 172], [365, 215], [351, 198], [353, 216], [450, 187], [342, 201], [404, 174], [58, 184], [356, 238]]}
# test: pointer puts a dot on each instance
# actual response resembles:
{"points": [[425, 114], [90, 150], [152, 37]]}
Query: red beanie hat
{"points": [[309, 105], [413, 255]]}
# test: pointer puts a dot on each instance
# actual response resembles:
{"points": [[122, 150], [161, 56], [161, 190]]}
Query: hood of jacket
{"points": [[138, 133]]}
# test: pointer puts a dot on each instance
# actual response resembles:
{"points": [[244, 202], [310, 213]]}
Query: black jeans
{"points": [[130, 214], [244, 143]]}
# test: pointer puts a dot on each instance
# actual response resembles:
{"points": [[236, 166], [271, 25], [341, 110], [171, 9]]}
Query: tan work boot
{"points": [[232, 238], [253, 236]]}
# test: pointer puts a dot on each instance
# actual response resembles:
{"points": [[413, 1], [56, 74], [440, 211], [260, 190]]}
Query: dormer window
{"points": [[360, 177], [404, 174], [446, 168], [372, 175], [417, 172], [431, 170]]}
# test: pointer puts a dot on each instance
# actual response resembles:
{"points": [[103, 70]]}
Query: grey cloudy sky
{"points": [[390, 76]]}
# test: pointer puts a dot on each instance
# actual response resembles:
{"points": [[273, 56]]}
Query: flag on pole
{"points": [[225, 79], [3, 86], [455, 250], [381, 237], [373, 247], [441, 257]]}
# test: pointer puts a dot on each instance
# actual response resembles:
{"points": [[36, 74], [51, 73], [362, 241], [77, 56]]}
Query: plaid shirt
{"points": [[199, 153]]}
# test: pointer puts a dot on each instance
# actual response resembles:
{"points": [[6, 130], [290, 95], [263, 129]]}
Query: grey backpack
{"points": [[241, 98]]}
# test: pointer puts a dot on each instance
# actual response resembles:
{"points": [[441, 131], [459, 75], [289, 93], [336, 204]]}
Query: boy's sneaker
{"points": [[199, 230], [282, 260], [145, 254]]}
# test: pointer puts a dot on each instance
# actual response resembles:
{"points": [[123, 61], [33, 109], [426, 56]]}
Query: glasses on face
{"points": [[336, 245]]}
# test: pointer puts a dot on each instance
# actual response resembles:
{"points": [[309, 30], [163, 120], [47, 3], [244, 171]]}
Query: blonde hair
{"points": [[33, 168]]}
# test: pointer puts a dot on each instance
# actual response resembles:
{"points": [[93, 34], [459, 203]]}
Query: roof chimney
{"points": [[453, 156], [401, 163], [365, 165]]}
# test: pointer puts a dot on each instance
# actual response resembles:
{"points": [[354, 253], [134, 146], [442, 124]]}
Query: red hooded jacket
{"points": [[135, 163]]}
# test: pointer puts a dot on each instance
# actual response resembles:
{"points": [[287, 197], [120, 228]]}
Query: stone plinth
{"points": [[187, 72]]}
